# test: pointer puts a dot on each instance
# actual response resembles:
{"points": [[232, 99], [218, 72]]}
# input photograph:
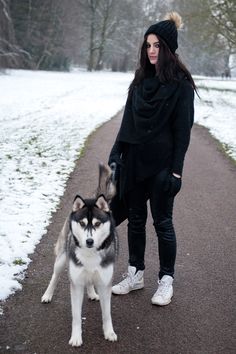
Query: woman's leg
{"points": [[162, 209], [137, 217]]}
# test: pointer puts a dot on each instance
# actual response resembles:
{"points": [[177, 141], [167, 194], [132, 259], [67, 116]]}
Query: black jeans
{"points": [[161, 208]]}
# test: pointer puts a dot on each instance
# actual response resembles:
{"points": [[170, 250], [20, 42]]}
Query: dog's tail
{"points": [[60, 246], [106, 185]]}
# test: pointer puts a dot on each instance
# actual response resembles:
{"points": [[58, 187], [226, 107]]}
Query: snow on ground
{"points": [[45, 118], [216, 110], [216, 83]]}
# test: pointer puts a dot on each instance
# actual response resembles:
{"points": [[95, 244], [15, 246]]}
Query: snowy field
{"points": [[216, 110], [45, 119]]}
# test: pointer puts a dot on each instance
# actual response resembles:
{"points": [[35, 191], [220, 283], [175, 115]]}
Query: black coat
{"points": [[154, 133]]}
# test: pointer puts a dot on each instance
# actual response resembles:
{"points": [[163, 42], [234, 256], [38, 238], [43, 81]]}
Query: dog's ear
{"points": [[78, 203], [106, 185], [102, 204]]}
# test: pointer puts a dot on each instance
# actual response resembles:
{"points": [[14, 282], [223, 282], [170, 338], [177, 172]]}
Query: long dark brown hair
{"points": [[169, 67]]}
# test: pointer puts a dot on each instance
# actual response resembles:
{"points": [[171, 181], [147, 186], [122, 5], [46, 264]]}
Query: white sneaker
{"points": [[164, 291], [133, 281]]}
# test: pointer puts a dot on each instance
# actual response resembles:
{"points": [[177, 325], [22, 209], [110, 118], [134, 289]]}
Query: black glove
{"points": [[172, 185]]}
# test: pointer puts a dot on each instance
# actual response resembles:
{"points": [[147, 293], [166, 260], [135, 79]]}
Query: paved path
{"points": [[201, 317]]}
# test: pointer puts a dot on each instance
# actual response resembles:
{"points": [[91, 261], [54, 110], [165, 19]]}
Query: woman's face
{"points": [[153, 47]]}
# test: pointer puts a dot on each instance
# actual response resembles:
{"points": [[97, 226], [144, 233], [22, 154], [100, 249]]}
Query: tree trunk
{"points": [[9, 55], [93, 4]]}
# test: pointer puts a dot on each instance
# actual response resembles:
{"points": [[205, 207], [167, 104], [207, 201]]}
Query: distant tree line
{"points": [[106, 34]]}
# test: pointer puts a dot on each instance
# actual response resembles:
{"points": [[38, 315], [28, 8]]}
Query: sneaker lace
{"points": [[163, 288], [128, 280]]}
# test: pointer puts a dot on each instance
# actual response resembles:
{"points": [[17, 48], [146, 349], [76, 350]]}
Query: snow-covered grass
{"points": [[216, 83], [45, 119], [216, 110]]}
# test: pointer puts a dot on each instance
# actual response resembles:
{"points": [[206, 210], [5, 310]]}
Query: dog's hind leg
{"points": [[59, 265], [92, 295]]}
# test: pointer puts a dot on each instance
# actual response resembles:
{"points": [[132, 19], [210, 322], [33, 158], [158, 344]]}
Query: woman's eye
{"points": [[156, 45]]}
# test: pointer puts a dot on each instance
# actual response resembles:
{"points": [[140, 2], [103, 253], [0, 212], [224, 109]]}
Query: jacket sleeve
{"points": [[182, 124], [118, 147]]}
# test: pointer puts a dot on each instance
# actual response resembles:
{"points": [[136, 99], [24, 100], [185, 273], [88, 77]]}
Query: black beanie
{"points": [[167, 30]]}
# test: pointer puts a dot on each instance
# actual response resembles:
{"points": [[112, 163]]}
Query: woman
{"points": [[149, 151]]}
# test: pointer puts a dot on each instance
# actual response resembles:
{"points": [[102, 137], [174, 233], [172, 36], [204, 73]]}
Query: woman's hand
{"points": [[173, 184]]}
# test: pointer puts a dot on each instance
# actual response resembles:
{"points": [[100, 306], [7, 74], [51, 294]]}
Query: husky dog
{"points": [[88, 245]]}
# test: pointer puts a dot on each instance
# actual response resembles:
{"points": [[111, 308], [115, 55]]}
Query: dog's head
{"points": [[90, 222]]}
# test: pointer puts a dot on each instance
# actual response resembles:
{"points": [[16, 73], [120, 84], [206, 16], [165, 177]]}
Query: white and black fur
{"points": [[88, 245]]}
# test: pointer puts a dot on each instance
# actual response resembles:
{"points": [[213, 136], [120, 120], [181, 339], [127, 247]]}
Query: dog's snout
{"points": [[89, 242]]}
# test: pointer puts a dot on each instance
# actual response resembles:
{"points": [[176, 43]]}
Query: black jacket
{"points": [[155, 131]]}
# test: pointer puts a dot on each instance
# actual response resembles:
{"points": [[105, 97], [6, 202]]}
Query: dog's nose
{"points": [[89, 242]]}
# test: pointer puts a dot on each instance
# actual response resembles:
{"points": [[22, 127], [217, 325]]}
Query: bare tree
{"points": [[108, 23], [93, 7], [11, 55], [223, 17], [124, 41], [51, 34]]}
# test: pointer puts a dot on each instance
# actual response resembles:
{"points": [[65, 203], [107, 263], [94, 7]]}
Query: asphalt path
{"points": [[201, 316]]}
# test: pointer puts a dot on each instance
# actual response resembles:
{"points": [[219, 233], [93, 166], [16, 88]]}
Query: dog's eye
{"points": [[97, 223], [82, 223]]}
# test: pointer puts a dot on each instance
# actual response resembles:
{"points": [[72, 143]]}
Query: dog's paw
{"points": [[111, 336], [93, 297], [46, 298], [75, 341]]}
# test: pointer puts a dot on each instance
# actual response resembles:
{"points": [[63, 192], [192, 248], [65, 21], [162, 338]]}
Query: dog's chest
{"points": [[88, 268], [88, 259]]}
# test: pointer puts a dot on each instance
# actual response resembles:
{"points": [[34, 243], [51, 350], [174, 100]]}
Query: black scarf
{"points": [[145, 112]]}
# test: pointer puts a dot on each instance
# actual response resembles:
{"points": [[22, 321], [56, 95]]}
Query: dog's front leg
{"points": [[105, 301], [77, 293], [59, 265]]}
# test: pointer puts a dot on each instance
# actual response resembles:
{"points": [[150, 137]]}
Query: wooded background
{"points": [[106, 34]]}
